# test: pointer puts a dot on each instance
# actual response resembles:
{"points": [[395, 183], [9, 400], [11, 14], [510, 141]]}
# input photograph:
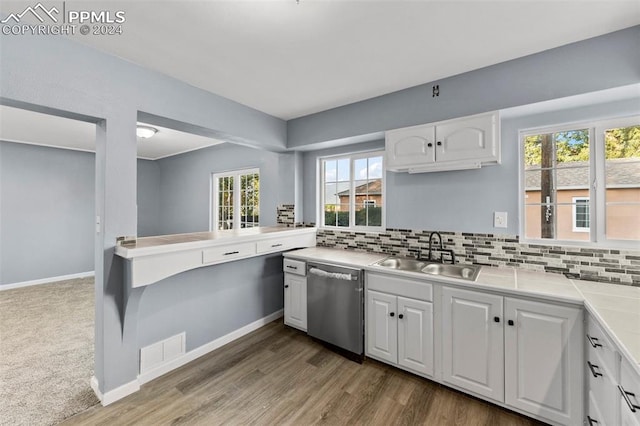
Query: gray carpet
{"points": [[46, 352]]}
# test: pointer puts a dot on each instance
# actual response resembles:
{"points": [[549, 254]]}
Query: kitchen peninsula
{"points": [[151, 259]]}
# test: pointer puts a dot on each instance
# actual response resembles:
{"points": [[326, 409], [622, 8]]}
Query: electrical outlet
{"points": [[499, 219]]}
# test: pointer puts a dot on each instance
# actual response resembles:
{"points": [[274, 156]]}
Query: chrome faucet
{"points": [[441, 248]]}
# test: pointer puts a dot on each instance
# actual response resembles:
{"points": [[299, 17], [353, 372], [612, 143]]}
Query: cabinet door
{"points": [[382, 338], [412, 146], [472, 138], [295, 301], [472, 342], [415, 335], [543, 360]]}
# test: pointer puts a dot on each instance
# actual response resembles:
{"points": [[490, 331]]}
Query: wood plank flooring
{"points": [[279, 376]]}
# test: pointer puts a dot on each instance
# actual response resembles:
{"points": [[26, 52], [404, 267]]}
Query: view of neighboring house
{"points": [[368, 194], [572, 200]]}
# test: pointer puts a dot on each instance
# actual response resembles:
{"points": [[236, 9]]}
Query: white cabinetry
{"points": [[531, 363], [295, 294], [399, 330], [472, 342], [460, 143], [543, 358]]}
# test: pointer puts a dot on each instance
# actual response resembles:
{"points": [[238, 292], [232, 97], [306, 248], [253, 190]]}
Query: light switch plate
{"points": [[499, 219]]}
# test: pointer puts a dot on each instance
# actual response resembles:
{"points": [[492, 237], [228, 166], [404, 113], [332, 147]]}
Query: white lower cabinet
{"points": [[543, 359], [472, 342], [532, 363], [629, 395], [295, 301], [399, 330]]}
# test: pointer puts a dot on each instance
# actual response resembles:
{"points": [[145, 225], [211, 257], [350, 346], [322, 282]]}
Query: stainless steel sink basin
{"points": [[402, 264], [465, 272]]}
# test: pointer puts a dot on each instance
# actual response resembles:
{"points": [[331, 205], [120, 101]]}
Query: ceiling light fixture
{"points": [[145, 132]]}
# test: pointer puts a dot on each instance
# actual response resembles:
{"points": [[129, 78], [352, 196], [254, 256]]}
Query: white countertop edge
{"points": [[133, 252], [339, 262]]}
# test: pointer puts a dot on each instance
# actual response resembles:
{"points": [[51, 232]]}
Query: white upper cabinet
{"points": [[461, 143], [410, 146]]}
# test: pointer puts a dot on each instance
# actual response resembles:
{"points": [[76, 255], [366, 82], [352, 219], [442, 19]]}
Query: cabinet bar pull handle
{"points": [[276, 245], [593, 341], [593, 368], [592, 421], [292, 267], [625, 396], [231, 252]]}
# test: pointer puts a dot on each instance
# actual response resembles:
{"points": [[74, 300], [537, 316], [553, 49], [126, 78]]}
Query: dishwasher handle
{"points": [[332, 275]]}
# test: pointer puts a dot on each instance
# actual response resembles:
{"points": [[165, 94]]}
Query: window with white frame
{"points": [[352, 191], [581, 183], [580, 214], [235, 199]]}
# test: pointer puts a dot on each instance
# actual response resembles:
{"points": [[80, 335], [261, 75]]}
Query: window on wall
{"points": [[582, 183], [235, 199], [580, 214], [352, 191]]}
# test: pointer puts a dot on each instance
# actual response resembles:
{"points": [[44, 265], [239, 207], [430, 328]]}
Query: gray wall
{"points": [[46, 226], [57, 75], [174, 192], [148, 194], [47, 210], [465, 200], [599, 63]]}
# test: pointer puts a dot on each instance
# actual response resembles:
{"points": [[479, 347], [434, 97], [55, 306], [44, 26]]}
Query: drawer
{"points": [[400, 286], [593, 415], [629, 393], [602, 388], [227, 252], [297, 267], [285, 243], [599, 345]]}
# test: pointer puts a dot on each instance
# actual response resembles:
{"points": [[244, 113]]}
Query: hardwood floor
{"points": [[277, 375]]}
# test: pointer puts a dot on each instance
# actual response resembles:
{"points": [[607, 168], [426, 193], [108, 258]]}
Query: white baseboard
{"points": [[115, 394], [46, 280], [206, 348]]}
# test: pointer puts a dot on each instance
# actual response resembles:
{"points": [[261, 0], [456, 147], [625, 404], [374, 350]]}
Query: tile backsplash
{"points": [[605, 265], [286, 214]]}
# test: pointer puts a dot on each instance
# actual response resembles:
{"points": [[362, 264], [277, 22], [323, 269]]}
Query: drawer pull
{"points": [[593, 341], [593, 368], [229, 253], [295, 268], [276, 245], [592, 421], [625, 395]]}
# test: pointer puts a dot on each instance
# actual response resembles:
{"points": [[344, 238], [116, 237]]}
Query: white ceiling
{"points": [[18, 125], [290, 59]]}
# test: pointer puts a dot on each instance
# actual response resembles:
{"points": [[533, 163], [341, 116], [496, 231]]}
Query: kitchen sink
{"points": [[403, 264], [465, 272]]}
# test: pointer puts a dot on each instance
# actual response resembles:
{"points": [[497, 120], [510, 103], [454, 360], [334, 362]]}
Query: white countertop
{"points": [[616, 307], [171, 243]]}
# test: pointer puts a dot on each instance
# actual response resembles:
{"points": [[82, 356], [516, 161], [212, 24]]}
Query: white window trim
{"points": [[320, 192], [597, 209], [215, 204], [574, 212]]}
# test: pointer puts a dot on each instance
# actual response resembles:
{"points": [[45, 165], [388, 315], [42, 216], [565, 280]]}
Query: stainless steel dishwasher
{"points": [[335, 306]]}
